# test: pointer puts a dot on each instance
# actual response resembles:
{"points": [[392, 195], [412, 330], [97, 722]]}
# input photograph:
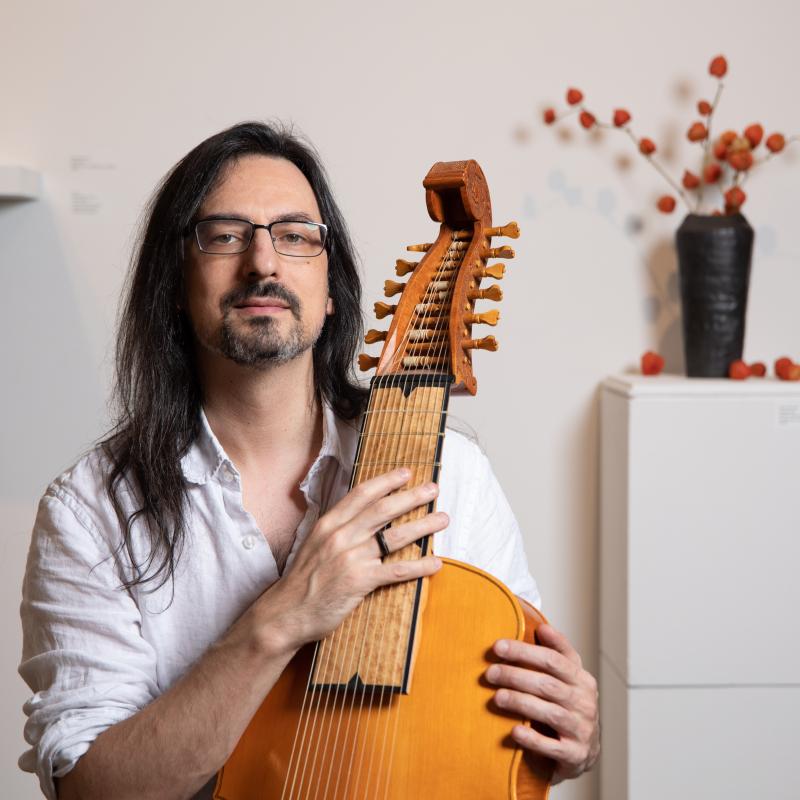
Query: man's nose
{"points": [[261, 260]]}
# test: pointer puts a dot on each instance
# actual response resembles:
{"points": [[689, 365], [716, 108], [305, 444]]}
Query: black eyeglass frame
{"points": [[254, 226]]}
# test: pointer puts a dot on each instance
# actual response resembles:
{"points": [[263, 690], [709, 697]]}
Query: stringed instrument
{"points": [[393, 704]]}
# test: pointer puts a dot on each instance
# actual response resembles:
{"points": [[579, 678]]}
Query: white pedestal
{"points": [[700, 585]]}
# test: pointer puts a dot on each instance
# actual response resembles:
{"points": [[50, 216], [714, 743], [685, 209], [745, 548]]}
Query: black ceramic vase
{"points": [[714, 262]]}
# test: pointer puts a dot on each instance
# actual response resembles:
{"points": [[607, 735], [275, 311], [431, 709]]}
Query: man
{"points": [[178, 567]]}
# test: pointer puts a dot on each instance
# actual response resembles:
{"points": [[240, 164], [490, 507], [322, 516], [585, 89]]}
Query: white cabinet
{"points": [[700, 589]]}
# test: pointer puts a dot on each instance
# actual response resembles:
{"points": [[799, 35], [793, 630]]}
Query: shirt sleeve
{"points": [[483, 530], [83, 654]]}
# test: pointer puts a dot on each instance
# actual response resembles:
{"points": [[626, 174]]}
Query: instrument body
{"points": [[393, 704], [443, 739]]}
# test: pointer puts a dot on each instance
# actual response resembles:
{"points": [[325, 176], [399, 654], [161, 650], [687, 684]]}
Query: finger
{"points": [[364, 495], [398, 537], [538, 657], [563, 752], [550, 637], [400, 571], [383, 511], [560, 719], [532, 682]]}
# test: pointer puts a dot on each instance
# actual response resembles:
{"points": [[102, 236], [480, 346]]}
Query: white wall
{"points": [[103, 98]]}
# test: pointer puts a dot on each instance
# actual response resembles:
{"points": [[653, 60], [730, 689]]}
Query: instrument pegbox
{"points": [[495, 271], [404, 267], [366, 362], [499, 252], [492, 293], [486, 318], [487, 343], [419, 248], [373, 336], [510, 231], [384, 310], [391, 288]]}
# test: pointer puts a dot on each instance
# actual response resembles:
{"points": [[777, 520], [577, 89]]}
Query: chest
{"points": [[278, 507]]}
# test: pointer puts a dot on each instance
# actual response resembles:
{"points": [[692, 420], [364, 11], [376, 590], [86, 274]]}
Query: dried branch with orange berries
{"points": [[726, 162]]}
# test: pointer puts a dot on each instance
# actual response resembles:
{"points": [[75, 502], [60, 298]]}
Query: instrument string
{"points": [[423, 394], [403, 439], [360, 619], [395, 435], [360, 640], [452, 264], [320, 668]]}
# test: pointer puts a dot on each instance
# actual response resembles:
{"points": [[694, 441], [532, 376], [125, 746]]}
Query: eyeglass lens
{"points": [[230, 236]]}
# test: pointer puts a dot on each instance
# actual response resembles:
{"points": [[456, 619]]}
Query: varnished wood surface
{"points": [[444, 740], [401, 428]]}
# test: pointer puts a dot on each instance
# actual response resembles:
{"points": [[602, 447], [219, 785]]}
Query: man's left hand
{"points": [[547, 683]]}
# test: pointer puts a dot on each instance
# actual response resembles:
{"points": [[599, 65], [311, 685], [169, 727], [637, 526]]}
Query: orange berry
{"points": [[734, 198], [738, 370], [652, 363], [690, 180], [728, 137], [793, 373], [718, 66], [666, 204], [549, 116], [754, 134], [775, 142], [621, 116], [758, 369], [782, 367], [574, 96], [647, 146], [720, 150], [741, 161], [587, 119], [711, 173], [697, 132], [704, 107]]}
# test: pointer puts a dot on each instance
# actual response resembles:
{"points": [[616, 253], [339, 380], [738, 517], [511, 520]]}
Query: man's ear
{"points": [[329, 310]]}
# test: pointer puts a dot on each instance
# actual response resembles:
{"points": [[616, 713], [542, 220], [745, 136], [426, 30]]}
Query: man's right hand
{"points": [[340, 562]]}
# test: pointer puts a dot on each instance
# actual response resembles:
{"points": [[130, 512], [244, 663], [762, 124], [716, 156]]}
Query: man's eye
{"points": [[225, 238], [293, 238]]}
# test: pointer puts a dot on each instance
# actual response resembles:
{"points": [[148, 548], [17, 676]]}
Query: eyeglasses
{"points": [[289, 237]]}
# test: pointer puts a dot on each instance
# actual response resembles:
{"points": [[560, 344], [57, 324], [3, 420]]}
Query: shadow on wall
{"points": [[663, 305], [51, 385]]}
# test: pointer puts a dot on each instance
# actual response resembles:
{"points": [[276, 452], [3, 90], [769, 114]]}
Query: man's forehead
{"points": [[259, 181]]}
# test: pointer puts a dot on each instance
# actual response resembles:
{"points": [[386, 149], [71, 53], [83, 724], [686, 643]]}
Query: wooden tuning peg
{"points": [[487, 318], [419, 248], [511, 231], [499, 252], [366, 362], [495, 271], [373, 336], [492, 293], [404, 267], [487, 343], [392, 287], [384, 309]]}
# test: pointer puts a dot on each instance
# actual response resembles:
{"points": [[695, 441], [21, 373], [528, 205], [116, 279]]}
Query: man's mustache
{"points": [[271, 289]]}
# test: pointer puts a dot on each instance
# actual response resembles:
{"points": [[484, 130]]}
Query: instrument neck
{"points": [[404, 426]]}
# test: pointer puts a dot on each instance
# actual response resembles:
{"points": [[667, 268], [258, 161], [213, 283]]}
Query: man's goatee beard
{"points": [[262, 346]]}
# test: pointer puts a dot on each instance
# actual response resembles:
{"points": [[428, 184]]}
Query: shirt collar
{"points": [[205, 456]]}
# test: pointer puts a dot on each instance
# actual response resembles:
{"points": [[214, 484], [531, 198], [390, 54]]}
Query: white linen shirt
{"points": [[95, 654]]}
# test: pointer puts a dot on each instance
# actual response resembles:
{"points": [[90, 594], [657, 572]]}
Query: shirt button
{"points": [[248, 542], [228, 473]]}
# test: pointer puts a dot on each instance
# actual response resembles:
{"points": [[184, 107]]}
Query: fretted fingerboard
{"points": [[403, 426]]}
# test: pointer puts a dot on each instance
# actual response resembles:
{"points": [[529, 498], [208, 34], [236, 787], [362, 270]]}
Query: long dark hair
{"points": [[157, 391]]}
